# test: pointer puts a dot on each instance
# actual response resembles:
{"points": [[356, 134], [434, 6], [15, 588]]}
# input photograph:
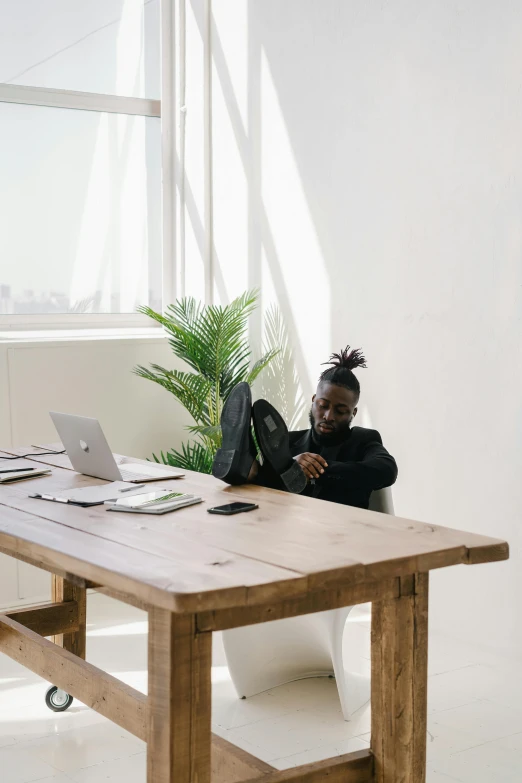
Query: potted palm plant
{"points": [[212, 340]]}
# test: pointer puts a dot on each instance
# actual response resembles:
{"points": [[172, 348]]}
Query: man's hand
{"points": [[312, 464]]}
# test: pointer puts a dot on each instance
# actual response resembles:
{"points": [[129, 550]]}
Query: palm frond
{"points": [[211, 436], [214, 334], [213, 431], [190, 389], [193, 456], [281, 384], [260, 365]]}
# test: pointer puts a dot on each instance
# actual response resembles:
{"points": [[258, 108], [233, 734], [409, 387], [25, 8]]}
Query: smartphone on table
{"points": [[232, 508]]}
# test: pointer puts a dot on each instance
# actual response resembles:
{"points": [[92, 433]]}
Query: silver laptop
{"points": [[89, 452]]}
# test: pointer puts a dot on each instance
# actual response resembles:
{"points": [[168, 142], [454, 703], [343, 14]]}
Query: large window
{"points": [[80, 161]]}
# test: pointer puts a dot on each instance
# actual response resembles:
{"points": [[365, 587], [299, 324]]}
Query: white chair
{"points": [[263, 656]]}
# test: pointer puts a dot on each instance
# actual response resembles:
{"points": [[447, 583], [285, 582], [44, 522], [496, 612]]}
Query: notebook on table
{"points": [[160, 502]]}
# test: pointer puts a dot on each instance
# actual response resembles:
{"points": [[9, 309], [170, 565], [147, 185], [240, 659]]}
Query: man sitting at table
{"points": [[332, 460]]}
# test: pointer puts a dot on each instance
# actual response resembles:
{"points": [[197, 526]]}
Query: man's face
{"points": [[333, 409]]}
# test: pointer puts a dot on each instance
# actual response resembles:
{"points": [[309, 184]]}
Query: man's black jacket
{"points": [[358, 466]]}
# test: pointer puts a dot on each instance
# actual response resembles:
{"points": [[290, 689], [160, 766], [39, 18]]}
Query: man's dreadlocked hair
{"points": [[341, 373]]}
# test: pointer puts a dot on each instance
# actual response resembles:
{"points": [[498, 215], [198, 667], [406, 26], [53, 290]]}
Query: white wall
{"points": [[90, 378], [367, 175]]}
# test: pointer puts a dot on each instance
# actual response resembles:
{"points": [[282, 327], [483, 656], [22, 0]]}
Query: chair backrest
{"points": [[382, 500]]}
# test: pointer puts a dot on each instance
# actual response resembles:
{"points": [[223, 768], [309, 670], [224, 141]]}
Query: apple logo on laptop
{"points": [[84, 446]]}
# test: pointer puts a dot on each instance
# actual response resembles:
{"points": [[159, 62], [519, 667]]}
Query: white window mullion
{"points": [[34, 322], [171, 272], [86, 101]]}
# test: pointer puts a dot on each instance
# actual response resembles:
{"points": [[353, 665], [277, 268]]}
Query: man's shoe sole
{"points": [[234, 459], [272, 437]]}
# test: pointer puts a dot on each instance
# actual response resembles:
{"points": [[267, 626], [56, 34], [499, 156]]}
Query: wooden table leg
{"points": [[400, 683], [63, 590], [180, 661]]}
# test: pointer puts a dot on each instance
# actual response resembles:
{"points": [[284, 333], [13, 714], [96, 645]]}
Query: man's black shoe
{"points": [[272, 437], [236, 456]]}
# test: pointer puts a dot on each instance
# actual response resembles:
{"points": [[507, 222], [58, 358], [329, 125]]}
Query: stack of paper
{"points": [[92, 496]]}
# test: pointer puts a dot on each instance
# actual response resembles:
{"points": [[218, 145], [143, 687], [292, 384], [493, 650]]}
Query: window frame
{"points": [[164, 109]]}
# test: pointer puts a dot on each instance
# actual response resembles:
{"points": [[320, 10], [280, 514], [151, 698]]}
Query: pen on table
{"points": [[134, 486]]}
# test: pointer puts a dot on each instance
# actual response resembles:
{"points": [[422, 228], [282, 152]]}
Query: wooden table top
{"points": [[191, 561]]}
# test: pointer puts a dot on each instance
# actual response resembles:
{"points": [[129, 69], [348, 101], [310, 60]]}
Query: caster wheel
{"points": [[57, 700]]}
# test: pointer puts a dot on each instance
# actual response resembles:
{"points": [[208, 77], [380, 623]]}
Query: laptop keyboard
{"points": [[131, 475]]}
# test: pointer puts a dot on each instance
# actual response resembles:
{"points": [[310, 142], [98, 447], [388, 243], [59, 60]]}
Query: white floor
{"points": [[475, 706]]}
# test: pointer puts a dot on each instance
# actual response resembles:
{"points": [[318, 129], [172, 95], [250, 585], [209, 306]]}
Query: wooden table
{"points": [[195, 573]]}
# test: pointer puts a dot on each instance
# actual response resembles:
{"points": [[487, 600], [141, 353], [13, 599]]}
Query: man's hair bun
{"points": [[347, 359]]}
